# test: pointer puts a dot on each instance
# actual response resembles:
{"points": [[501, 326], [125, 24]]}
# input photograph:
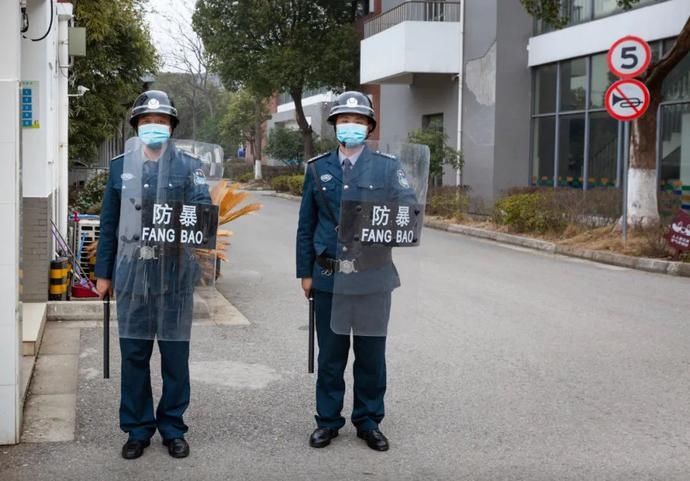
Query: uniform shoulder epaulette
{"points": [[321, 156], [390, 156]]}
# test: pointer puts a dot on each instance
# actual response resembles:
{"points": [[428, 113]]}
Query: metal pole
{"points": [[106, 336], [312, 328], [619, 156], [626, 159]]}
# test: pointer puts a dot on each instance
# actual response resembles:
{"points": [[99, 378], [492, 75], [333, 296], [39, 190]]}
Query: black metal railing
{"points": [[414, 12]]}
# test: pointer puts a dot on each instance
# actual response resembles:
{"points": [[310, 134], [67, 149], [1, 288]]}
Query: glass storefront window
{"points": [[603, 144], [571, 150], [544, 131], [545, 89], [677, 85], [675, 144], [602, 171], [573, 84], [601, 80]]}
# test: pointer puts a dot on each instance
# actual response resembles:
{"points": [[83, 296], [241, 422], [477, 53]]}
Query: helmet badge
{"points": [[153, 104], [352, 102]]}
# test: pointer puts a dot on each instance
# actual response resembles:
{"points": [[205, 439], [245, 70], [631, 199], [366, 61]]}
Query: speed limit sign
{"points": [[629, 57]]}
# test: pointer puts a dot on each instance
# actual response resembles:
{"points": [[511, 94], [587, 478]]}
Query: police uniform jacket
{"points": [[375, 177], [174, 177]]}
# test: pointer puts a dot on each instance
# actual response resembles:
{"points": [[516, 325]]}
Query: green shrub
{"points": [[448, 202], [295, 184], [281, 183], [531, 212], [246, 177], [90, 197]]}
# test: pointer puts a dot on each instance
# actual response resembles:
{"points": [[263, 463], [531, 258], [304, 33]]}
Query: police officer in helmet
{"points": [[355, 171], [154, 286]]}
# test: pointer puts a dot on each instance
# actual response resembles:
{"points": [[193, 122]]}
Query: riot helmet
{"points": [[353, 102], [153, 102]]}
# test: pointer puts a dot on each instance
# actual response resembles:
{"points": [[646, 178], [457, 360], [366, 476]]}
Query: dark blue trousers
{"points": [[136, 399], [369, 371]]}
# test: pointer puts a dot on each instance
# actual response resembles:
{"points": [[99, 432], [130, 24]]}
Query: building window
{"points": [[601, 79], [432, 122], [674, 148], [571, 148], [579, 11], [544, 129], [570, 123], [545, 89], [573, 84], [603, 147]]}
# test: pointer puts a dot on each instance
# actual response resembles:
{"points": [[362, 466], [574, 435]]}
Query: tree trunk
{"points": [[307, 133], [643, 207]]}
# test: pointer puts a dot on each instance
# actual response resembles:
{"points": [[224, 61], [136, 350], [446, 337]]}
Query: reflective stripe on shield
{"points": [[167, 221], [376, 263]]}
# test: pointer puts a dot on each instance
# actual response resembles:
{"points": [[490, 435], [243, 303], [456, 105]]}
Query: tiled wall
{"points": [[37, 247]]}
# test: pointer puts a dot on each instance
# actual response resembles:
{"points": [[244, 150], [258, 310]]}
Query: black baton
{"points": [[312, 327], [106, 336]]}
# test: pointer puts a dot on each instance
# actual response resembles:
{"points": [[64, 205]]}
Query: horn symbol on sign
{"points": [[629, 103]]}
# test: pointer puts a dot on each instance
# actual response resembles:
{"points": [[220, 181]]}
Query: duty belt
{"points": [[350, 266]]}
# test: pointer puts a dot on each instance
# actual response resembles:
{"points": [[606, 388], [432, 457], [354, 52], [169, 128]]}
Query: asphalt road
{"points": [[516, 365]]}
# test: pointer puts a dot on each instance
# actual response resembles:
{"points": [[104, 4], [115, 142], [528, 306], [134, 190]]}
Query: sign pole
{"points": [[628, 98], [626, 160]]}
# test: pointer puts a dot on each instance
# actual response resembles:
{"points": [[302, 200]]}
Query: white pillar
{"points": [[64, 17], [10, 205], [461, 83]]}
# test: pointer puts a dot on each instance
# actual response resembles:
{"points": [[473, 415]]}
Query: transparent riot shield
{"points": [[211, 161], [380, 220], [166, 218]]}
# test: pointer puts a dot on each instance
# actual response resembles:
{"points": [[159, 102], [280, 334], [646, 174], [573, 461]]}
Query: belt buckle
{"points": [[346, 266], [147, 253]]}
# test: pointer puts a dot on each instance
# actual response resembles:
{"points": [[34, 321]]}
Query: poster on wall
{"points": [[29, 105]]}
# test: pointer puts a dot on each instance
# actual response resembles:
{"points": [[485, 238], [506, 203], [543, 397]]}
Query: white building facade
{"points": [[33, 185], [523, 103]]}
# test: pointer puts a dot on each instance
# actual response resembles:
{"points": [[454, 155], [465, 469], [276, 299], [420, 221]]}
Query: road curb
{"points": [[658, 266], [283, 195]]}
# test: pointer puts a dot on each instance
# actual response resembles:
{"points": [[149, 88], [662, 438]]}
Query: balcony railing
{"points": [[416, 12]]}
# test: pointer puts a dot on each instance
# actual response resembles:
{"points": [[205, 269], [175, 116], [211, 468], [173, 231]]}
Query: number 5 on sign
{"points": [[629, 57]]}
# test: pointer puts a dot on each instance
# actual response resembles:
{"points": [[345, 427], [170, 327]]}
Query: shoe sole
{"points": [[178, 456]]}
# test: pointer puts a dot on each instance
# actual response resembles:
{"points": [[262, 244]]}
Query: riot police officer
{"points": [[325, 253], [153, 283]]}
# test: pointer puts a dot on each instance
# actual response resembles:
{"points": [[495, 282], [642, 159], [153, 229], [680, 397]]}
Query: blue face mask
{"points": [[154, 135], [352, 135]]}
